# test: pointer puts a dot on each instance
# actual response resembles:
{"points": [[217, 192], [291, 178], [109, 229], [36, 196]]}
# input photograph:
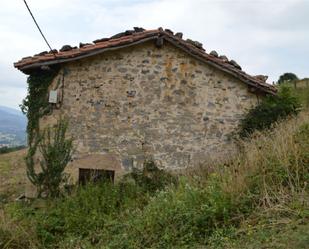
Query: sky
{"points": [[268, 37]]}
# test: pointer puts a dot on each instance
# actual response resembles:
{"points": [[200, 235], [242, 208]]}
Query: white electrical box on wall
{"points": [[53, 96]]}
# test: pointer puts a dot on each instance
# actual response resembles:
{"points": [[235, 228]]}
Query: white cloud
{"points": [[264, 37]]}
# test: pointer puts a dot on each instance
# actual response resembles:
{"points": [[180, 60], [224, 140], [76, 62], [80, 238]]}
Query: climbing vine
{"points": [[35, 105]]}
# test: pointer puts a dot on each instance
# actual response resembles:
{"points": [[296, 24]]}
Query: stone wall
{"points": [[145, 101]]}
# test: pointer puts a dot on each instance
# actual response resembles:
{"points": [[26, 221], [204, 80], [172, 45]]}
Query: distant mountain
{"points": [[12, 127], [11, 110]]}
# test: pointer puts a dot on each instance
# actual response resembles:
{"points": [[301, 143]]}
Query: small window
{"points": [[95, 176]]}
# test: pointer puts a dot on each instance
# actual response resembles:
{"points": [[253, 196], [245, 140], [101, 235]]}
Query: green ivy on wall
{"points": [[36, 105]]}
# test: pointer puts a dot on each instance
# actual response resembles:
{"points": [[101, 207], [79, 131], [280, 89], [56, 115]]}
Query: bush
{"points": [[91, 208], [151, 178], [99, 207], [179, 217], [56, 152], [270, 110]]}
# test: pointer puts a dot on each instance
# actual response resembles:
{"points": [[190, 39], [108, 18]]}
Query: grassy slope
{"points": [[281, 222], [12, 175]]}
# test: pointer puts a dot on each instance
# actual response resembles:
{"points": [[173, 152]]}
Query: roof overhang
{"points": [[29, 64]]}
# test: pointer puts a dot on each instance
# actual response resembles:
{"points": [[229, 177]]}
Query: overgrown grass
{"points": [[256, 199], [273, 163], [16, 233]]}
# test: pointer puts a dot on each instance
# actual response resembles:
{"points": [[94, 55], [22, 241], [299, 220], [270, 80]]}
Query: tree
{"points": [[287, 77], [55, 153]]}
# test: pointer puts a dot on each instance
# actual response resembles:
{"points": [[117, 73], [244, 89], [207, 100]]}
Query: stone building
{"points": [[146, 93]]}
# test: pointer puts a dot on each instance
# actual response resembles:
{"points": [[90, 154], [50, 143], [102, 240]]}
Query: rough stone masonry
{"points": [[148, 100]]}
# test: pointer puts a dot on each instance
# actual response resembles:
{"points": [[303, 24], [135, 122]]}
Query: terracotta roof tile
{"points": [[140, 35]]}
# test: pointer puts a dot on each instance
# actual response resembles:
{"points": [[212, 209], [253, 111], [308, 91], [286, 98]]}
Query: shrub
{"points": [[99, 207], [270, 110], [151, 178], [179, 217], [56, 152], [89, 209], [98, 216]]}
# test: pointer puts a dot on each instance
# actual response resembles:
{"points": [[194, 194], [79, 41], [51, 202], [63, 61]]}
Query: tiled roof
{"points": [[139, 35]]}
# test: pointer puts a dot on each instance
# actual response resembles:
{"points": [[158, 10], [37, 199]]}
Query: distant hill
{"points": [[12, 127]]}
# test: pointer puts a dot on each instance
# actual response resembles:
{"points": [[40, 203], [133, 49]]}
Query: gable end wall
{"points": [[144, 101]]}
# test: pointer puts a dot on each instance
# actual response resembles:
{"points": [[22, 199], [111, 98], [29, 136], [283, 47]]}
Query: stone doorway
{"points": [[95, 176]]}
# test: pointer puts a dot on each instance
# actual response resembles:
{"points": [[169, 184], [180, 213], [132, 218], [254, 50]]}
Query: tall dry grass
{"points": [[273, 164], [271, 168]]}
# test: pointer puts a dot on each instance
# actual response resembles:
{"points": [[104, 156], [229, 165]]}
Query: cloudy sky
{"points": [[264, 36]]}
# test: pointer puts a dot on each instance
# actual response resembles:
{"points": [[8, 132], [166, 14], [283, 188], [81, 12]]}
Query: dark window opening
{"points": [[95, 176]]}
